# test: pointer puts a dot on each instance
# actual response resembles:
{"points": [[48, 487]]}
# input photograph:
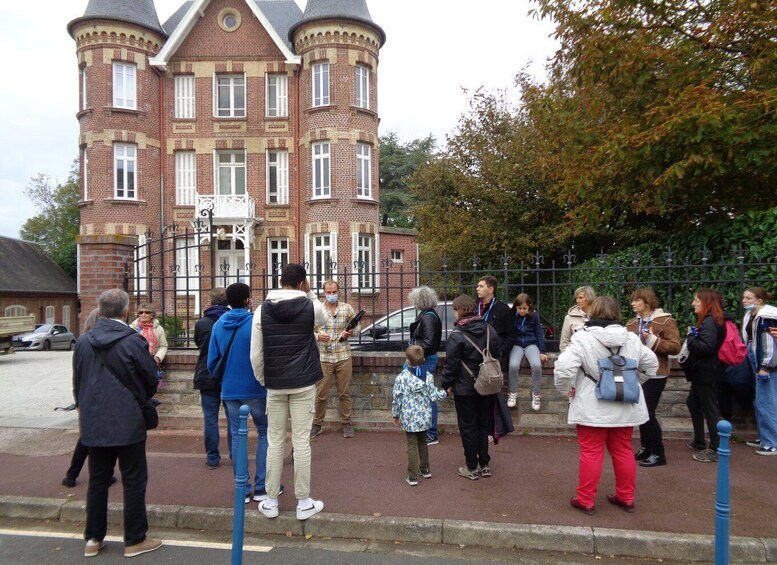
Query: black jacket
{"points": [[203, 380], [458, 350], [426, 331], [109, 414], [291, 358], [703, 365], [500, 316]]}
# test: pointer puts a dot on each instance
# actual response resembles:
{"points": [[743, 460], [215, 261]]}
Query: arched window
{"points": [[15, 310], [50, 313]]}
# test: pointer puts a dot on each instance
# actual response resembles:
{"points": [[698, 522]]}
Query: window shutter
{"points": [[307, 251], [376, 256], [333, 251], [354, 259]]}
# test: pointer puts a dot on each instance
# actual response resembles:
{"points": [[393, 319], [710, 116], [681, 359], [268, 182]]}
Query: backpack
{"points": [[490, 377], [618, 380], [732, 351]]}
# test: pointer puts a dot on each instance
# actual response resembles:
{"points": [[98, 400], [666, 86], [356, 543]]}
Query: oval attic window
{"points": [[230, 21]]}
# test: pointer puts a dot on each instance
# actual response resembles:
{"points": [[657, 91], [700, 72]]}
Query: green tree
{"points": [[656, 113], [56, 226], [397, 163], [483, 197]]}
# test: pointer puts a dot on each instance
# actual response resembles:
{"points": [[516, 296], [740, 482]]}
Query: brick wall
{"points": [[36, 305]]}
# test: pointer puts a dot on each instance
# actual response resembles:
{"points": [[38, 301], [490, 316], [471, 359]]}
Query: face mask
{"points": [[749, 307], [331, 298]]}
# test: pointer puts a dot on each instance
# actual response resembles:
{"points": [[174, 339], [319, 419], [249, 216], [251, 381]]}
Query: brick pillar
{"points": [[101, 266]]}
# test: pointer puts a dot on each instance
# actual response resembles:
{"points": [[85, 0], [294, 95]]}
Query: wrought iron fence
{"points": [[178, 271]]}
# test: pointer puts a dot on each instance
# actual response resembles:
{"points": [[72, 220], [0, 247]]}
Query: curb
{"points": [[594, 541]]}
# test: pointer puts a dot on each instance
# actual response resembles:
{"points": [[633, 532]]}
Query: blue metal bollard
{"points": [[241, 478], [723, 499]]}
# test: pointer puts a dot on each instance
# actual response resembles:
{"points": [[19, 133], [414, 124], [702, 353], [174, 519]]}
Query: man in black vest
{"points": [[285, 359]]}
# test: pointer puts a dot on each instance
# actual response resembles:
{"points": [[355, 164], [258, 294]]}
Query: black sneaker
{"points": [[693, 446], [706, 456], [411, 480], [432, 440], [69, 482]]}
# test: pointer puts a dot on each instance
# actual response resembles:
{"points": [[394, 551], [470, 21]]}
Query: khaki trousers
{"points": [[298, 406], [339, 373]]}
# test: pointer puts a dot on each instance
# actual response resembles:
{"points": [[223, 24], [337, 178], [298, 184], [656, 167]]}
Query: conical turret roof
{"points": [[355, 10], [141, 12]]}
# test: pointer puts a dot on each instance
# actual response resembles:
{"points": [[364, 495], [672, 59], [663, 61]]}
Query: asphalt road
{"points": [[32, 384]]}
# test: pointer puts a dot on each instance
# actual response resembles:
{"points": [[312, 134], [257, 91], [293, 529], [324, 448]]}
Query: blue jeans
{"points": [[766, 409], [210, 400], [430, 364], [258, 407]]}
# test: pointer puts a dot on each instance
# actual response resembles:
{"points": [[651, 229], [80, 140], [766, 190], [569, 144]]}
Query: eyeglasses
{"points": [[145, 312]]}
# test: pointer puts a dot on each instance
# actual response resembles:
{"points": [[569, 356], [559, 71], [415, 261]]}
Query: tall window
{"points": [[230, 96], [124, 85], [363, 171], [15, 310], [83, 87], [277, 96], [186, 262], [124, 171], [86, 174], [277, 258], [231, 172], [66, 316], [142, 252], [363, 254], [362, 85], [321, 84], [185, 177], [277, 177], [184, 96], [322, 252], [50, 314], [321, 186]]}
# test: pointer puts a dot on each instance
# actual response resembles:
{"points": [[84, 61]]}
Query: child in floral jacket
{"points": [[413, 392]]}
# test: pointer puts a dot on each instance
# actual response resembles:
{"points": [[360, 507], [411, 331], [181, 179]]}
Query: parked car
{"points": [[392, 332], [45, 337]]}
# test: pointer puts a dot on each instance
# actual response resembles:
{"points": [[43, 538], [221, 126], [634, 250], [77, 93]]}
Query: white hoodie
{"points": [[583, 353], [769, 351]]}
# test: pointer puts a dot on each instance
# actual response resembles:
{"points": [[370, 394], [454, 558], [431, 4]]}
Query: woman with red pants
{"points": [[603, 423]]}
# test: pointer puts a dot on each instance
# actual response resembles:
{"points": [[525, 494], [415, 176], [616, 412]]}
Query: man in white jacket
{"points": [[601, 422], [285, 359]]}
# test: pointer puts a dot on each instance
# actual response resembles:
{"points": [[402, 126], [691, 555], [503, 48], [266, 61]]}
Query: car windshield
{"points": [[43, 329]]}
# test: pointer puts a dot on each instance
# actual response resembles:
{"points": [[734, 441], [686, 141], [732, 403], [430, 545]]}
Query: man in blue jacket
{"points": [[208, 385], [113, 375], [230, 340]]}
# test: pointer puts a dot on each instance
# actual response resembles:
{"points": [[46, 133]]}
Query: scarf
{"points": [[147, 331]]}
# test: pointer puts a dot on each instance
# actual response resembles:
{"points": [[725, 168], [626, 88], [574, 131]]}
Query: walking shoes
{"points": [[653, 461], [146, 546], [93, 547], [626, 506], [589, 510]]}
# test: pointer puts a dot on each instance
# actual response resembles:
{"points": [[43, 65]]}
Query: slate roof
{"points": [[26, 269], [283, 14], [355, 10], [141, 12], [173, 21]]}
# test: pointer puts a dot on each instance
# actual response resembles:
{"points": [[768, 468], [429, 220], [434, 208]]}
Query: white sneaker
{"points": [[511, 399], [267, 510], [305, 513], [535, 401]]}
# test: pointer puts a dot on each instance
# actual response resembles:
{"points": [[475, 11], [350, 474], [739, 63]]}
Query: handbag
{"points": [[490, 377], [147, 408]]}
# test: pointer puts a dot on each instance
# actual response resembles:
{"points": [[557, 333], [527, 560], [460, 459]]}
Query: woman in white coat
{"points": [[603, 423]]}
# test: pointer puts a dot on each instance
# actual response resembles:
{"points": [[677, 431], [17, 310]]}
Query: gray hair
{"points": [[91, 319], [218, 296], [588, 291], [423, 298], [113, 303]]}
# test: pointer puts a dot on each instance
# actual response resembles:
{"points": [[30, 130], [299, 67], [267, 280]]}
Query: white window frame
{"points": [[86, 173], [66, 316], [124, 85], [187, 259], [141, 264], [15, 310], [277, 96], [321, 251], [362, 87], [83, 88], [184, 96], [233, 83], [121, 154], [51, 315], [398, 255], [322, 175], [363, 249], [277, 253], [185, 178], [277, 177], [363, 170], [320, 84], [234, 167]]}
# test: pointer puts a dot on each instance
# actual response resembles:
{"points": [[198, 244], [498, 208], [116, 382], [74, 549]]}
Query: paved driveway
{"points": [[32, 384]]}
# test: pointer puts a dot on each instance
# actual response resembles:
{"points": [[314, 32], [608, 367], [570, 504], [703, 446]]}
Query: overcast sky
{"points": [[434, 50]]}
